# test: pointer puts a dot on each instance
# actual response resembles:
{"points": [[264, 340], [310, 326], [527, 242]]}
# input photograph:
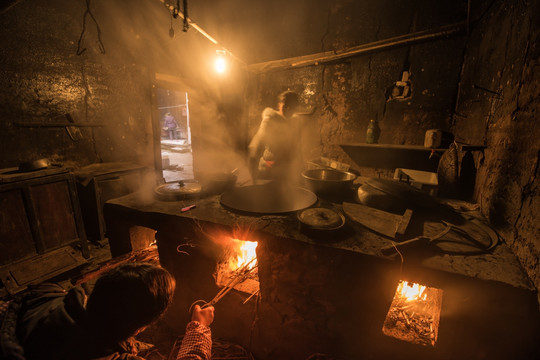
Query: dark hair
{"points": [[289, 98], [128, 298]]}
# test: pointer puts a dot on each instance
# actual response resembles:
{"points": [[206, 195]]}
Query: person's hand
{"points": [[204, 316]]}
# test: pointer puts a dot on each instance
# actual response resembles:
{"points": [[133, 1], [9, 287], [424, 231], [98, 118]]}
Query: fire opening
{"points": [[414, 314], [238, 268]]}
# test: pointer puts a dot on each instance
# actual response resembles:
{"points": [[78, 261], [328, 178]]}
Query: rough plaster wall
{"points": [[347, 94], [498, 106], [42, 78]]}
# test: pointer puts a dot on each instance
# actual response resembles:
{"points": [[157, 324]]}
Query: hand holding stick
{"points": [[204, 316], [243, 274]]}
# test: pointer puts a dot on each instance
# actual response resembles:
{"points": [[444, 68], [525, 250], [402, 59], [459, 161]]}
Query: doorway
{"points": [[175, 136]]}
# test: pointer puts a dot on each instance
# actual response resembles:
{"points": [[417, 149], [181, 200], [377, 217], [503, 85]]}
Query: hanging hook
{"points": [[186, 22], [171, 30]]}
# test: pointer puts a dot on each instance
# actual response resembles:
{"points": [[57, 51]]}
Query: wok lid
{"points": [[321, 218], [177, 190]]}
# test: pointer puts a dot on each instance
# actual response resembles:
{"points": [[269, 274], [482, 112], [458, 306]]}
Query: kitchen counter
{"points": [[142, 209]]}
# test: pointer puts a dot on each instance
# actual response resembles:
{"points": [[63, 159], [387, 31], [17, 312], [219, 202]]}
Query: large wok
{"points": [[270, 198]]}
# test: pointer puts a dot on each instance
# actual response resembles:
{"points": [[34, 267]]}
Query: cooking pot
{"points": [[378, 199], [328, 181], [216, 183]]}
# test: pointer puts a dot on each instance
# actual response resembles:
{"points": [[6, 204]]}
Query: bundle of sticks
{"points": [[239, 275]]}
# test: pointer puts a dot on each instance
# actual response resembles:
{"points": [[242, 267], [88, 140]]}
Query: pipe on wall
{"points": [[330, 56]]}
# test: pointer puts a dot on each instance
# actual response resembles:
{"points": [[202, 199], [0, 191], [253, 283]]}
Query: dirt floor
{"points": [[177, 161]]}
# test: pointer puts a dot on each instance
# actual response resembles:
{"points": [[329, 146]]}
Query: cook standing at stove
{"points": [[274, 151]]}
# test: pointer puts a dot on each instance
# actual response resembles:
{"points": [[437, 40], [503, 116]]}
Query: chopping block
{"points": [[382, 222]]}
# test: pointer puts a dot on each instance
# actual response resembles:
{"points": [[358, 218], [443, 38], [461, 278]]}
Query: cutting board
{"points": [[379, 221]]}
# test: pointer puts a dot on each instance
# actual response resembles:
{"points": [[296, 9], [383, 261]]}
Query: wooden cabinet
{"points": [[98, 183], [39, 216]]}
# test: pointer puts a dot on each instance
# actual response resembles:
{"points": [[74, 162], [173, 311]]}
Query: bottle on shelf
{"points": [[373, 132]]}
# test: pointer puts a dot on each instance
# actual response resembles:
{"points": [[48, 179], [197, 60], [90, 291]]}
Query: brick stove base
{"points": [[329, 297]]}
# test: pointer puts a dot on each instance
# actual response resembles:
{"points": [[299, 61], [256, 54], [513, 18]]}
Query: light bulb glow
{"points": [[220, 65]]}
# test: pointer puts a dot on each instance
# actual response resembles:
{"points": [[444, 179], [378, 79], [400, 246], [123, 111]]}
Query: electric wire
{"points": [[80, 50]]}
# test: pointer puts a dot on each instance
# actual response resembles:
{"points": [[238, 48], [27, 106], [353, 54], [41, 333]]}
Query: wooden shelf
{"points": [[390, 156]]}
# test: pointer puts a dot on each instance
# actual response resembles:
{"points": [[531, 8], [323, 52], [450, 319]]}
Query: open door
{"points": [[172, 137]]}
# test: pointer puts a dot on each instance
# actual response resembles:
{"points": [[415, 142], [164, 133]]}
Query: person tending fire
{"points": [[50, 323], [274, 151]]}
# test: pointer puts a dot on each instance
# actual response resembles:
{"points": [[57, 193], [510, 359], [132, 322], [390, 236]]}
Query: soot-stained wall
{"points": [[348, 93], [481, 84], [498, 105], [495, 66], [45, 75], [96, 61], [99, 62]]}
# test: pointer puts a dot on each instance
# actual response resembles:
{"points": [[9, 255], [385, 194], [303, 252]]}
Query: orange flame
{"points": [[412, 292], [245, 254]]}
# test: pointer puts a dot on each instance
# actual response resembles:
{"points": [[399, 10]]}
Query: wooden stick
{"points": [[244, 272], [403, 224], [250, 296]]}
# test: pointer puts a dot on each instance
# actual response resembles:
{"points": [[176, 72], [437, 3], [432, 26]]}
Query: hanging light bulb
{"points": [[220, 63]]}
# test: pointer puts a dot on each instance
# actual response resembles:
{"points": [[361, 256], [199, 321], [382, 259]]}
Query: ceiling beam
{"points": [[332, 56]]}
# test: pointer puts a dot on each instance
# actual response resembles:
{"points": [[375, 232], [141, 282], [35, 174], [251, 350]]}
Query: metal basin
{"points": [[328, 181]]}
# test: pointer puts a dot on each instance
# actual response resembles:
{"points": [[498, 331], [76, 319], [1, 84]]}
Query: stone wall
{"points": [[498, 106], [56, 60], [42, 78], [315, 299], [347, 93], [494, 64]]}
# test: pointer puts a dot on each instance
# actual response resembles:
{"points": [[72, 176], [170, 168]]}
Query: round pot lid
{"points": [[178, 189], [321, 218]]}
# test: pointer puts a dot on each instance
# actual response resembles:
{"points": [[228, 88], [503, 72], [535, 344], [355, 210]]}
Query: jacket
{"points": [[276, 144], [49, 324]]}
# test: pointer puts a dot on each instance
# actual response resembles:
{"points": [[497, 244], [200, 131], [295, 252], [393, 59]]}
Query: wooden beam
{"points": [[330, 56]]}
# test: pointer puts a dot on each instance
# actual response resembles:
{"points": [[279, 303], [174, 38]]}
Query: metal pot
{"points": [[216, 183], [328, 181]]}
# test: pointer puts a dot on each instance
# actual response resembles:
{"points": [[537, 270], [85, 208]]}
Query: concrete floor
{"points": [[177, 160]]}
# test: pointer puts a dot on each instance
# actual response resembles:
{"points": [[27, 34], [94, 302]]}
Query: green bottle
{"points": [[373, 132]]}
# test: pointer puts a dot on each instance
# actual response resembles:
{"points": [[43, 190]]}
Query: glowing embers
{"points": [[238, 268], [414, 314]]}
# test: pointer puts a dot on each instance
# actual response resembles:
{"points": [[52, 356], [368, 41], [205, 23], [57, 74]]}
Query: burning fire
{"points": [[414, 314], [245, 254], [238, 268], [411, 292]]}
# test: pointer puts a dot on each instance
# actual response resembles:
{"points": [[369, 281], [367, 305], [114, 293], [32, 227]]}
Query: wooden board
{"points": [[17, 276], [382, 222], [472, 236], [403, 224]]}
